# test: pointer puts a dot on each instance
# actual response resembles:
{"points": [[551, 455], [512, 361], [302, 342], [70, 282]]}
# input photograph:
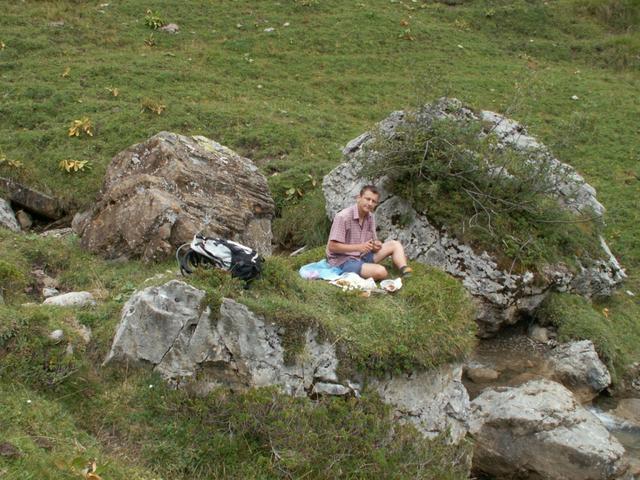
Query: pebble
{"points": [[56, 336]]}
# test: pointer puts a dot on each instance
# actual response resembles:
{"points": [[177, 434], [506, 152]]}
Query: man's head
{"points": [[367, 201]]}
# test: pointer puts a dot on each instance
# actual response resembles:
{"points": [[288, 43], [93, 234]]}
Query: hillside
{"points": [[286, 84]]}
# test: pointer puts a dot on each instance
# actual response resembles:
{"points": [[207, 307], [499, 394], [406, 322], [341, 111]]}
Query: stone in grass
{"points": [[56, 336], [50, 292], [71, 299], [170, 28], [24, 219], [8, 450]]}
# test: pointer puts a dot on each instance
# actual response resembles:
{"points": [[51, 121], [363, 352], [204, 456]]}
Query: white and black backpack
{"points": [[243, 262]]}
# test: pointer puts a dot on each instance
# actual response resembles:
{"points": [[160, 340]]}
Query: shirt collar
{"points": [[356, 216]]}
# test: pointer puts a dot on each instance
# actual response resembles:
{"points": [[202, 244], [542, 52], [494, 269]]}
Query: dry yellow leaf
{"points": [[65, 74]]}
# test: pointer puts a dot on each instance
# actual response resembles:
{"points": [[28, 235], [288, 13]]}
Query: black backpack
{"points": [[243, 262]]}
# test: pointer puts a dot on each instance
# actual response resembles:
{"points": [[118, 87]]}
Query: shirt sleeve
{"points": [[338, 230]]}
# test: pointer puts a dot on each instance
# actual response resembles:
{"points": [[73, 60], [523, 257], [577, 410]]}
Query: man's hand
{"points": [[377, 245], [365, 247]]}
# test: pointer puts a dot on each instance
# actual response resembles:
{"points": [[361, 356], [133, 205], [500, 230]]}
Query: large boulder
{"points": [[502, 295], [156, 195], [577, 366], [539, 430], [170, 328]]}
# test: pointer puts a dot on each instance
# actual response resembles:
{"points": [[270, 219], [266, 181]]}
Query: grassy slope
{"points": [[287, 99]]}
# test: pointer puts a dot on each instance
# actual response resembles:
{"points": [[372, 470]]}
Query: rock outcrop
{"points": [[156, 195], [501, 295], [8, 217], [577, 366], [433, 401], [539, 430], [170, 328]]}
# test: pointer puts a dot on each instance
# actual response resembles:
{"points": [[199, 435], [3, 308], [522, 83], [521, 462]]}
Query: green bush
{"points": [[497, 199]]}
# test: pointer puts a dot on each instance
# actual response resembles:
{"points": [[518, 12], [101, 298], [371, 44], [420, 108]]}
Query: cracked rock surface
{"points": [[539, 430], [169, 328], [157, 194], [501, 296]]}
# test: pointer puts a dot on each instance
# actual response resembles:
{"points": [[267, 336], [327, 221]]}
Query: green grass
{"points": [[288, 100], [133, 429], [611, 324]]}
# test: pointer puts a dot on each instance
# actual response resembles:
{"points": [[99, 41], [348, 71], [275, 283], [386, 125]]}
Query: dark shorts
{"points": [[355, 265]]}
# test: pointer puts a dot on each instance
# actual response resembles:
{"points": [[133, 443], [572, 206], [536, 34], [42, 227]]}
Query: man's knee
{"points": [[373, 270]]}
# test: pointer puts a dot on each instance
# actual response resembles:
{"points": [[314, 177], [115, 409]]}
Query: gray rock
{"points": [[538, 333], [481, 374], [170, 28], [169, 328], [24, 219], [502, 296], [433, 401], [71, 299], [156, 195], [49, 292], [56, 336], [334, 389], [539, 430], [579, 368], [7, 217]]}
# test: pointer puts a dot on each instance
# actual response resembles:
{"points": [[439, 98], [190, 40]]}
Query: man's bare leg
{"points": [[394, 249], [373, 270]]}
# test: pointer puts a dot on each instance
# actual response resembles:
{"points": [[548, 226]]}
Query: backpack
{"points": [[243, 262]]}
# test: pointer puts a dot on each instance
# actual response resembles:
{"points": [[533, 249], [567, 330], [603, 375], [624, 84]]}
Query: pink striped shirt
{"points": [[346, 228]]}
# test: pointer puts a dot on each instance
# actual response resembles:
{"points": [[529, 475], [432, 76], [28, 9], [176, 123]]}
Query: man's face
{"points": [[367, 202]]}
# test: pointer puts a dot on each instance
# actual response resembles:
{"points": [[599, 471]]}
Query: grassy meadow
{"points": [[285, 83]]}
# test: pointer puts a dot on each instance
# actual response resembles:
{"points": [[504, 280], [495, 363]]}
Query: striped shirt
{"points": [[346, 228]]}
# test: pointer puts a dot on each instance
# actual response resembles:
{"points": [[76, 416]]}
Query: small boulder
{"points": [[577, 366], [539, 430], [50, 292], [481, 374], [7, 217], [71, 299], [24, 219], [170, 28], [56, 336], [8, 450], [538, 333]]}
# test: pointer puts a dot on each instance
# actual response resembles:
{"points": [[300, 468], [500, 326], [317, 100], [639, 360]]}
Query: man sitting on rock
{"points": [[353, 245]]}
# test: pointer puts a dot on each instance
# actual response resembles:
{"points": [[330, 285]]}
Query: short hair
{"points": [[369, 188]]}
